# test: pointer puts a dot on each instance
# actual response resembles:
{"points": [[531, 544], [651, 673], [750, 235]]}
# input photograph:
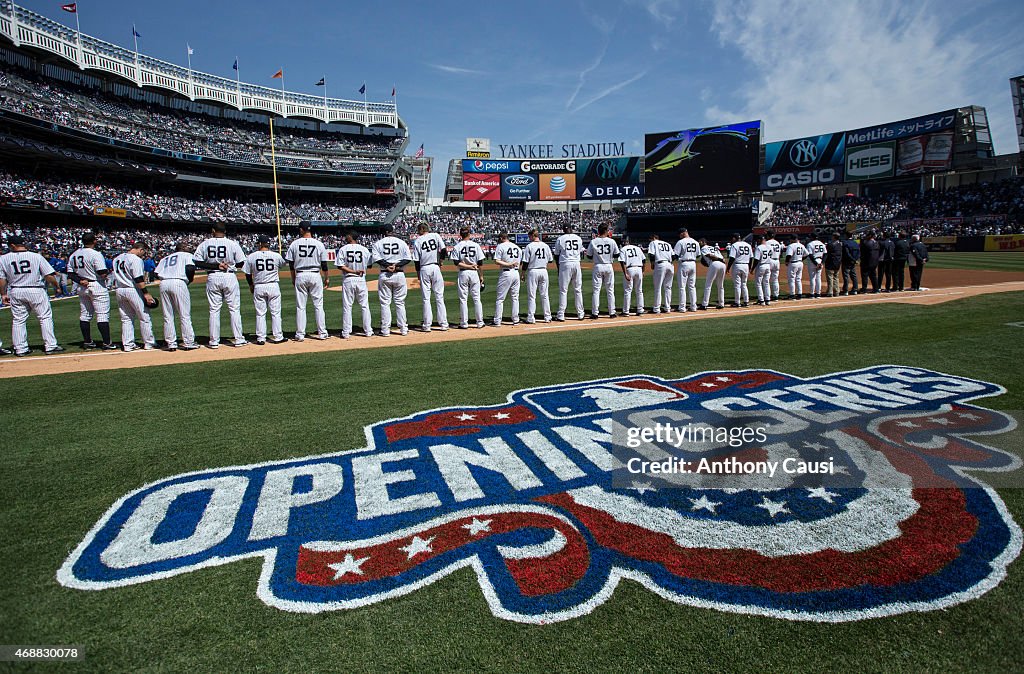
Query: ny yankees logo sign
{"points": [[523, 494]]}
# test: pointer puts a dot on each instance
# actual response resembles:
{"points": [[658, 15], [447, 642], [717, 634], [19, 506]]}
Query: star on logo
{"points": [[816, 446], [502, 415], [348, 565], [708, 384], [822, 493], [476, 527], [772, 507], [972, 417], [418, 545], [941, 421], [704, 503], [466, 417], [642, 487], [908, 424], [722, 379]]}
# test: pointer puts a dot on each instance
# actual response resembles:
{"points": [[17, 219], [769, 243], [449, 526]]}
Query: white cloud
{"points": [[820, 67], [456, 70], [662, 11], [608, 91]]}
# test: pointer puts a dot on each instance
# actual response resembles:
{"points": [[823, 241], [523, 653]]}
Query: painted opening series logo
{"points": [[522, 493]]}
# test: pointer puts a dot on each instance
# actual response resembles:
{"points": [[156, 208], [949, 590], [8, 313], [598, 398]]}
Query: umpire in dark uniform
{"points": [[851, 254], [918, 256], [888, 248], [870, 252], [901, 251], [833, 264]]}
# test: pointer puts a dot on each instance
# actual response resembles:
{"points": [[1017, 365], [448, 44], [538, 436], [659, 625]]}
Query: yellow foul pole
{"points": [[277, 205]]}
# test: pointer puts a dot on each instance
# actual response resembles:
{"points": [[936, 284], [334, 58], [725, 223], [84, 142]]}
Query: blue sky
{"points": [[569, 71]]}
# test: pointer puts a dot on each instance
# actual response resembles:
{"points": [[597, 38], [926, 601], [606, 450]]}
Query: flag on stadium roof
{"points": [[135, 33], [190, 50], [393, 89], [278, 75], [419, 152], [235, 67], [70, 7], [322, 82], [362, 89]]}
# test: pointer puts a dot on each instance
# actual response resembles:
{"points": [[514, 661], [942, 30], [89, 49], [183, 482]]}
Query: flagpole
{"points": [[277, 205], [326, 119], [238, 82], [78, 29], [191, 86], [394, 99], [366, 109]]}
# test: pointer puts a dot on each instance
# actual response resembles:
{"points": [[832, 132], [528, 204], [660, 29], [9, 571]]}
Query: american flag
{"points": [[419, 152]]}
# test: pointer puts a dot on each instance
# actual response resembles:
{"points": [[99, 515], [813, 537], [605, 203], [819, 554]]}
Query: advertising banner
{"points": [[490, 166], [815, 160], [110, 212], [478, 148], [610, 178], [925, 154], [938, 121], [520, 187], [869, 162], [557, 186], [1004, 242], [696, 162], [481, 186]]}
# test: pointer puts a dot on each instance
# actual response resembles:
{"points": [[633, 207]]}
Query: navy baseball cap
{"points": [[15, 240], [263, 241]]}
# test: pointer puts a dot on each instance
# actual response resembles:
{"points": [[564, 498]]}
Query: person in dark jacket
{"points": [[851, 254], [918, 256], [901, 251], [885, 263], [870, 252], [833, 263]]}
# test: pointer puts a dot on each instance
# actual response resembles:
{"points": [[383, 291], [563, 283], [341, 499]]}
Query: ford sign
{"points": [[520, 181]]}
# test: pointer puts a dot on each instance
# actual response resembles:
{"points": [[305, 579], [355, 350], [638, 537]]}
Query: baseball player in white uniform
{"points": [[468, 256], [176, 271], [568, 252], [687, 251], [307, 258], [428, 250], [133, 300], [536, 258], [762, 270], [604, 252], [353, 259], [24, 276], [795, 254], [661, 255], [631, 260], [740, 253], [220, 255], [391, 254], [509, 257], [88, 270], [816, 250], [711, 257], [776, 253], [262, 270]]}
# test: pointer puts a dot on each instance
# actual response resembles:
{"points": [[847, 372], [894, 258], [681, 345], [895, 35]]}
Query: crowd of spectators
{"points": [[169, 204], [687, 205], [189, 132], [448, 223]]}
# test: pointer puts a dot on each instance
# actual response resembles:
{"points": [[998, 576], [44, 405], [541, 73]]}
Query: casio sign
{"points": [[820, 176], [520, 181], [869, 162]]}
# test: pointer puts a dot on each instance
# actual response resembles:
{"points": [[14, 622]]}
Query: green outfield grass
{"points": [[66, 311], [1001, 261], [76, 443]]}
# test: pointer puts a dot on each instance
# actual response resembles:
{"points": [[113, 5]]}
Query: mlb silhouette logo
{"points": [[561, 402]]}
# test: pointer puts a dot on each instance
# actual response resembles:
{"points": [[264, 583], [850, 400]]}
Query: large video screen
{"points": [[814, 160], [696, 162]]}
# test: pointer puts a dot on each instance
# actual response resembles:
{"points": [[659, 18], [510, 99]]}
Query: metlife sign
{"points": [[938, 121], [802, 162], [870, 162]]}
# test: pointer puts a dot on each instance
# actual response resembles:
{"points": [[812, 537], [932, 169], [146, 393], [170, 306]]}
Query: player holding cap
{"points": [[762, 270], [427, 252], [774, 262], [24, 276], [88, 269], [603, 251], [816, 250], [391, 254], [795, 254], [568, 252], [711, 257], [632, 262], [220, 255], [740, 253], [176, 271], [353, 259], [307, 258], [262, 272], [536, 257], [686, 251], [468, 256], [133, 300], [660, 253], [508, 256]]}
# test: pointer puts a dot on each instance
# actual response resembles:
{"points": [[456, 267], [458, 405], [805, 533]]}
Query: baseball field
{"points": [[84, 430]]}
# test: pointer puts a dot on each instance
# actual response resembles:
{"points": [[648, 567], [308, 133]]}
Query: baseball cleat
{"points": [[480, 324], [239, 344], [5, 352], [128, 348], [323, 337], [277, 341], [560, 319], [56, 349], [148, 347], [19, 354], [299, 338], [443, 328], [346, 336], [108, 347], [260, 342], [213, 346], [88, 345], [403, 332], [189, 347], [422, 328]]}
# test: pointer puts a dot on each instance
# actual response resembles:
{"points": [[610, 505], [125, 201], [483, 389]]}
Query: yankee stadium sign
{"points": [[523, 493]]}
